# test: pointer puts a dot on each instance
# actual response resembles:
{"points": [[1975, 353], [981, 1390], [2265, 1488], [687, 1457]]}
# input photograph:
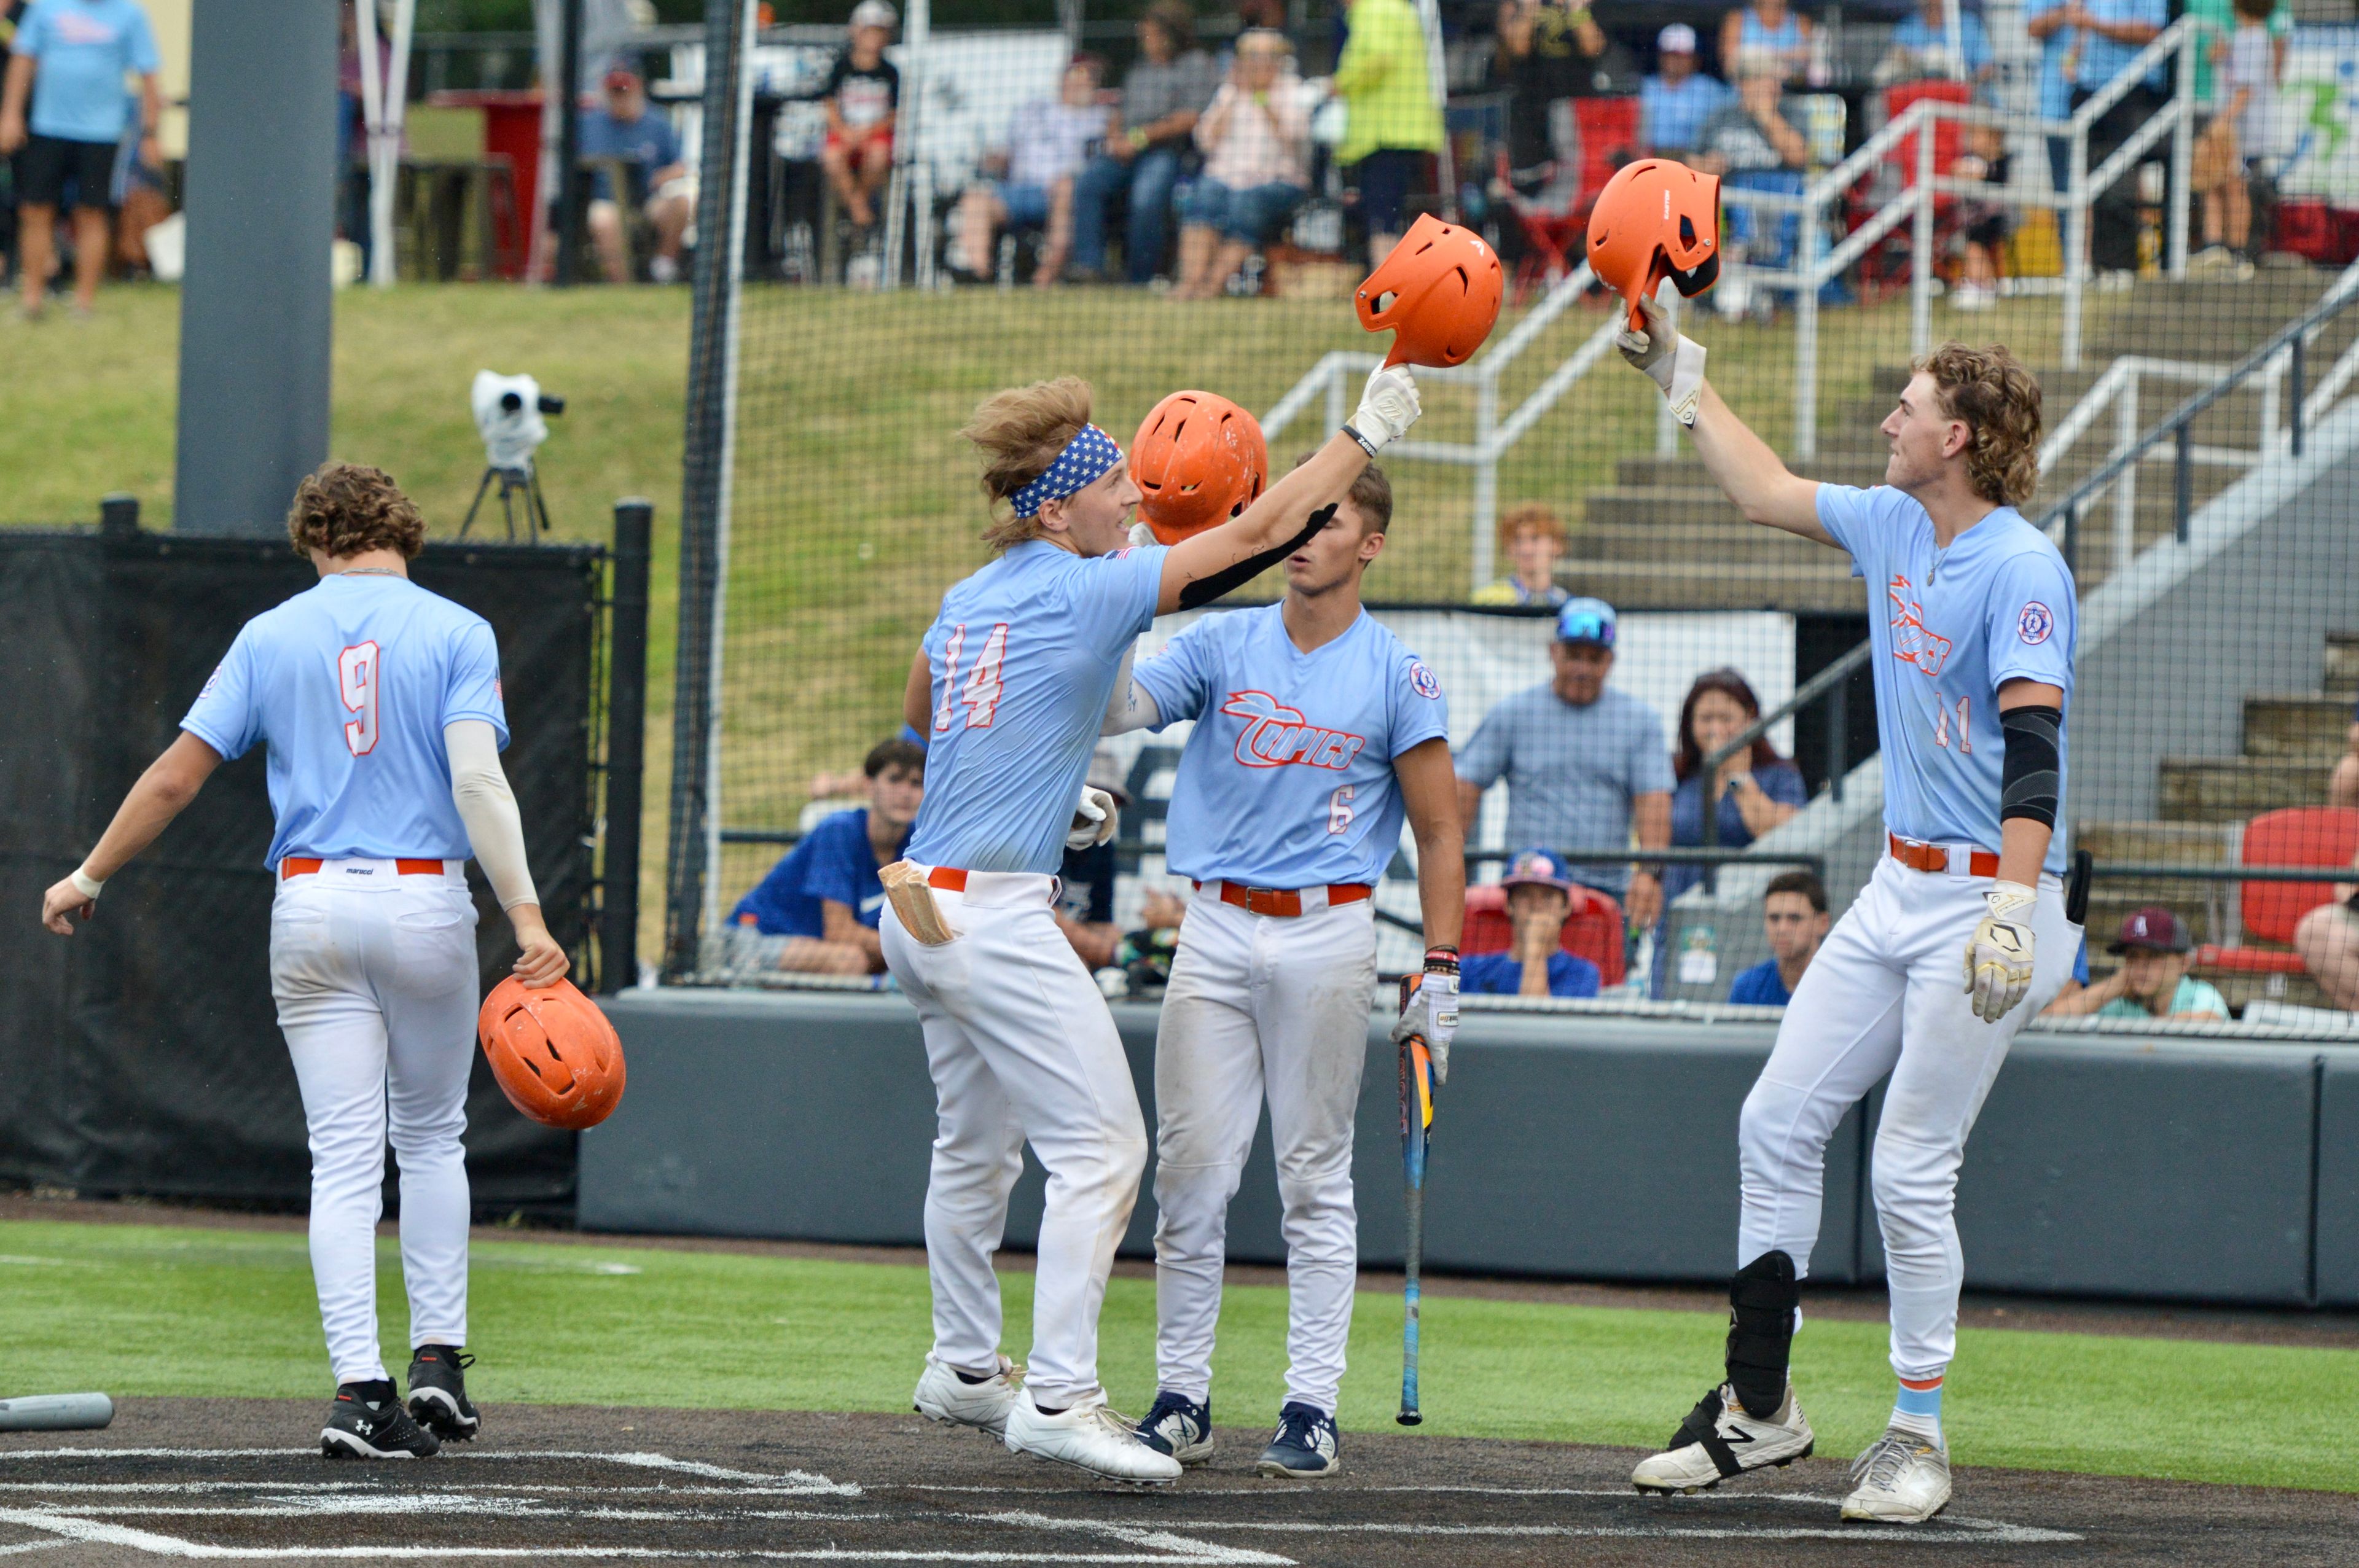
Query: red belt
{"points": [[1935, 858], [1287, 901], [304, 865]]}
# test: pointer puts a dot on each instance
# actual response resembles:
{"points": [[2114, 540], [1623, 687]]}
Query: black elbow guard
{"points": [[2033, 778], [1203, 591]]}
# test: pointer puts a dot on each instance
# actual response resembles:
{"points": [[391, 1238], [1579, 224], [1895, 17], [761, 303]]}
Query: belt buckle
{"points": [[1265, 900]]}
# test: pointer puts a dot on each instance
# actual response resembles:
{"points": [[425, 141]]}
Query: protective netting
{"points": [[1882, 197], [145, 1056]]}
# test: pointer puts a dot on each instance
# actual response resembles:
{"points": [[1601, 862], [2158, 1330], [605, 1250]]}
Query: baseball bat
{"points": [[1416, 1130], [56, 1412]]}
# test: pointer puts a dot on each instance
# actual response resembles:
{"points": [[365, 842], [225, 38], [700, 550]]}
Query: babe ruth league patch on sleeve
{"points": [[1423, 682], [2036, 624]]}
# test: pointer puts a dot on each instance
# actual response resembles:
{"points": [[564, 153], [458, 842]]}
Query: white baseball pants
{"points": [[1887, 994], [1022, 1048], [376, 979], [1260, 1006]]}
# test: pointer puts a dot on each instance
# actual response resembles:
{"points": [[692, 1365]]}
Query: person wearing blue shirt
{"points": [[1674, 103], [1794, 917], [1920, 46], [817, 911], [2112, 34], [1539, 897], [623, 128], [69, 58]]}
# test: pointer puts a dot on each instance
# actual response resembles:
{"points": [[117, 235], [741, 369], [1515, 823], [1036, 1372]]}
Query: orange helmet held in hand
{"points": [[1438, 291], [1199, 460], [1656, 219], [556, 1057]]}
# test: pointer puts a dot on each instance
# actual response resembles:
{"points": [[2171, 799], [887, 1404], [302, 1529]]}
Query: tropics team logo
{"points": [[1276, 735], [2036, 624], [1912, 641]]}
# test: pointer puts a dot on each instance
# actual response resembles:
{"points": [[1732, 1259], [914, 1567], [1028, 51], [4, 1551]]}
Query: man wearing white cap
{"points": [[1674, 103]]}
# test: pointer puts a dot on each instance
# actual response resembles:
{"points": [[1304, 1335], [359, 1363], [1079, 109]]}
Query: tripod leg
{"points": [[482, 485]]}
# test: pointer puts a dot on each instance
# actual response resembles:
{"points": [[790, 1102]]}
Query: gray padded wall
{"points": [[2337, 1179]]}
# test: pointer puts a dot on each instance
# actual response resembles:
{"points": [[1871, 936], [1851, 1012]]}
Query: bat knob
{"points": [[1410, 1418]]}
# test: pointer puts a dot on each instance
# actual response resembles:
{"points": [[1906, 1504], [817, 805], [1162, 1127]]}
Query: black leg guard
{"points": [[1762, 1299]]}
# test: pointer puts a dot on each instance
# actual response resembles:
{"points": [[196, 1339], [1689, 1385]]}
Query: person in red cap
{"points": [[2153, 981], [622, 129]]}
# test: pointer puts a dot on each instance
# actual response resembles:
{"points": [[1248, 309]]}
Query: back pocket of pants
{"points": [[434, 948]]}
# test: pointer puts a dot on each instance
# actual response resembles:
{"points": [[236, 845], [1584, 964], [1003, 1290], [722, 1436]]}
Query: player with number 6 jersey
{"points": [[1315, 733], [380, 704], [1960, 937], [1011, 685]]}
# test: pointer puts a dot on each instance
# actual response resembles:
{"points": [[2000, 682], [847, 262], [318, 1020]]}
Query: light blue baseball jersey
{"points": [[1288, 780], [1950, 627], [1023, 656], [348, 684]]}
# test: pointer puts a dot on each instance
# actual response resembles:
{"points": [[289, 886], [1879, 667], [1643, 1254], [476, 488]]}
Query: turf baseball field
{"points": [[686, 1408]]}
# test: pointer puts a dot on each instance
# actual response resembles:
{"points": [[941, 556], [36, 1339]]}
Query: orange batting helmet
{"points": [[554, 1053], [1199, 460], [1440, 291], [1656, 219]]}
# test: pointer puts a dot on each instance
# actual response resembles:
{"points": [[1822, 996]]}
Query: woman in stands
{"points": [[1753, 792]]}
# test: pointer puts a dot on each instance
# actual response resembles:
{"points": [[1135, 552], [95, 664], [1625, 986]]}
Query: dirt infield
{"points": [[242, 1481]]}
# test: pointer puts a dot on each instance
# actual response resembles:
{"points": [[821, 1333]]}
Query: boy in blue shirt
{"points": [[816, 911], [1794, 914], [1539, 897], [69, 58]]}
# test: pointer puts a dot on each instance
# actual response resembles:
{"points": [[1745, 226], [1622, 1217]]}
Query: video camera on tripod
{"points": [[508, 415]]}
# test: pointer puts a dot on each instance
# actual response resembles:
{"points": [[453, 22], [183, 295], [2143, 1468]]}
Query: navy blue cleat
{"points": [[1305, 1447], [1180, 1427]]}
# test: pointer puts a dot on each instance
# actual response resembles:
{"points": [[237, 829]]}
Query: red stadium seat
{"points": [[2323, 835], [1554, 242], [1592, 931]]}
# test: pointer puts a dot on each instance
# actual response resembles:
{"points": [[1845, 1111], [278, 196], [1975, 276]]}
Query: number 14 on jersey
{"points": [[981, 692]]}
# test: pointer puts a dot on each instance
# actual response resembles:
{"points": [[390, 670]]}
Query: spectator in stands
{"points": [[1585, 765], [1549, 51], [68, 62], [1048, 142], [861, 93], [1162, 97], [2048, 23], [2152, 981], [816, 911], [1750, 143], [622, 128], [1983, 222], [1794, 918], [1675, 102], [2328, 940], [2343, 784], [1539, 897], [1770, 27], [1085, 899], [1532, 538], [1921, 48], [11, 13], [1752, 793], [2112, 34], [1255, 138], [1393, 126], [2237, 152]]}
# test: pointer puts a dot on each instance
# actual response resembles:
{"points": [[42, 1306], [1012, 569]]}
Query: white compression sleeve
{"points": [[1132, 708], [479, 788]]}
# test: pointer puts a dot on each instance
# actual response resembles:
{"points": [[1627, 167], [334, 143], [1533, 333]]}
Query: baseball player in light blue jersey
{"points": [[1315, 733], [1012, 684], [1959, 938], [381, 706]]}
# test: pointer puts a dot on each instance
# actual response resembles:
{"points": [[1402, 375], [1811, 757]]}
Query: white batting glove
{"points": [[1998, 955], [1673, 362], [1142, 535], [1388, 407], [1095, 819], [1432, 1011]]}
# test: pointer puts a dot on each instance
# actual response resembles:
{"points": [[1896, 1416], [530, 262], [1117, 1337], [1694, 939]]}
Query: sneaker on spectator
{"points": [[664, 269], [2212, 258], [1973, 297]]}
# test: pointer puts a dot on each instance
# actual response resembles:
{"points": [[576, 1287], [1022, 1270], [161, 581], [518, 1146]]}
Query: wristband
{"points": [[1441, 960], [85, 885], [1365, 445]]}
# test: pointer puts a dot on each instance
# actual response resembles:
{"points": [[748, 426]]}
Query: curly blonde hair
{"points": [[346, 508], [1021, 432], [1999, 400]]}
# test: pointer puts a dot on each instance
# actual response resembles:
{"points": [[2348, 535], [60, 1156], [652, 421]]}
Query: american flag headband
{"points": [[1085, 460]]}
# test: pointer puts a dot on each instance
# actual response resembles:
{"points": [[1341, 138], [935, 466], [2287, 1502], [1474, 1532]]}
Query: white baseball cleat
{"points": [[1720, 1439], [943, 1396], [1090, 1437], [1900, 1479]]}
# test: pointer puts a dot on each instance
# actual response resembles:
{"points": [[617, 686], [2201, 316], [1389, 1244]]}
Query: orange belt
{"points": [[1934, 857], [1287, 901], [304, 865], [948, 877]]}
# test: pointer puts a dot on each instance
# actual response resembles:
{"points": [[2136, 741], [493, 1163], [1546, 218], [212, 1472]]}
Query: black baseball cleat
{"points": [[1303, 1448], [437, 1393], [368, 1422]]}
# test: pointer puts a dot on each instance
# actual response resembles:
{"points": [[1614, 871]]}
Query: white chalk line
{"points": [[799, 1478]]}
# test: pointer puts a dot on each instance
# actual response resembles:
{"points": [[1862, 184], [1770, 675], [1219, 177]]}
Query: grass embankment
{"points": [[172, 1311]]}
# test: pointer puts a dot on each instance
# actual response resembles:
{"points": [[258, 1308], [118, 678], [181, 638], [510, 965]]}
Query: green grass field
{"points": [[173, 1311]]}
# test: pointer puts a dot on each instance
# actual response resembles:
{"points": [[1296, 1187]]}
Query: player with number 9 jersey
{"points": [[1010, 686], [380, 705]]}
